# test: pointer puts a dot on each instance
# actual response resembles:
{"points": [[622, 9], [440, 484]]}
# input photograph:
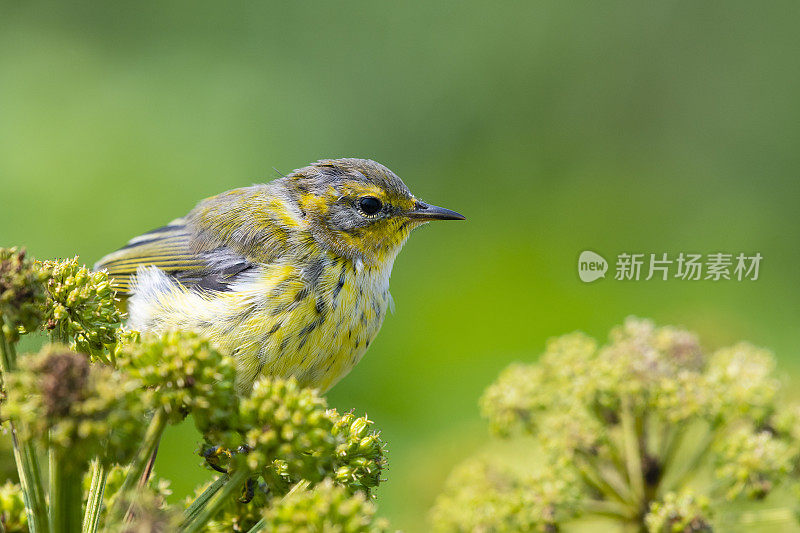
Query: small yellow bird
{"points": [[290, 277]]}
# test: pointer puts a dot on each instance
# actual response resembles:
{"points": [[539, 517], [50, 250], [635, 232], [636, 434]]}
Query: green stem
{"points": [[592, 475], [197, 505], [57, 336], [151, 438], [673, 443], [94, 502], [261, 525], [216, 503], [633, 457], [66, 494], [687, 469], [606, 508], [24, 453]]}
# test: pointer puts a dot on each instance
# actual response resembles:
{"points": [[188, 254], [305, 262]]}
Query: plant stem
{"points": [[94, 502], [197, 505], [633, 457], [213, 506], [24, 453], [672, 444], [151, 438], [261, 525], [31, 480], [592, 475], [66, 493], [688, 468], [606, 508]]}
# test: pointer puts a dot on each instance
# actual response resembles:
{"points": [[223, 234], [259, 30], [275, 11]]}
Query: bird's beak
{"points": [[423, 211]]}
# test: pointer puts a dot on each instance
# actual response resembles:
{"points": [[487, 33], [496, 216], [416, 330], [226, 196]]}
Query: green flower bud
{"points": [[740, 382], [80, 409], [282, 420], [325, 507], [22, 293], [184, 374], [511, 402], [360, 453], [287, 434], [81, 307], [751, 463], [481, 495], [684, 513]]}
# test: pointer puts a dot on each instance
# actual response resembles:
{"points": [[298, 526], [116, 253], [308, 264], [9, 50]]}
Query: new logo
{"points": [[591, 266]]}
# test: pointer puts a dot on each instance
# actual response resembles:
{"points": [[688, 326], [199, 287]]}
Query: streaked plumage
{"points": [[291, 277]]}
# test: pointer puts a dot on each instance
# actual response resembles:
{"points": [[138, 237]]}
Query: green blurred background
{"points": [[554, 127]]}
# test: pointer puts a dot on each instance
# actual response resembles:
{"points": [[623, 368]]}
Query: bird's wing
{"points": [[172, 249]]}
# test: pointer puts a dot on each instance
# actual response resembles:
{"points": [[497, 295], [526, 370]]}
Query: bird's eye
{"points": [[369, 205]]}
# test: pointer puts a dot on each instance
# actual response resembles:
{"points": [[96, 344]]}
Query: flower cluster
{"points": [[22, 293], [645, 416], [325, 507], [359, 454], [80, 409], [81, 307], [288, 434], [483, 495], [678, 513], [183, 374]]}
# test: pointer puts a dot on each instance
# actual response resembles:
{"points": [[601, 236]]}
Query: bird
{"points": [[290, 277]]}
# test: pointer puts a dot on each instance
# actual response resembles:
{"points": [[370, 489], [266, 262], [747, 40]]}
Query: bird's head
{"points": [[359, 208]]}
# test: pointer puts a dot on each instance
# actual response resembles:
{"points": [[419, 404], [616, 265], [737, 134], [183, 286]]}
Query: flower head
{"points": [[325, 507], [81, 307], [360, 453], [679, 513], [288, 429], [484, 495], [184, 374], [82, 410], [22, 292], [287, 433], [648, 414], [751, 462]]}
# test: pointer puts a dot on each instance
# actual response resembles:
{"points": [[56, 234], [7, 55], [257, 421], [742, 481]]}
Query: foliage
{"points": [[649, 430]]}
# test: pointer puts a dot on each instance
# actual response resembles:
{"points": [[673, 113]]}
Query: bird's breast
{"points": [[313, 322]]}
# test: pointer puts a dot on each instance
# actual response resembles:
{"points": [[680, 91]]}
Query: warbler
{"points": [[290, 277]]}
